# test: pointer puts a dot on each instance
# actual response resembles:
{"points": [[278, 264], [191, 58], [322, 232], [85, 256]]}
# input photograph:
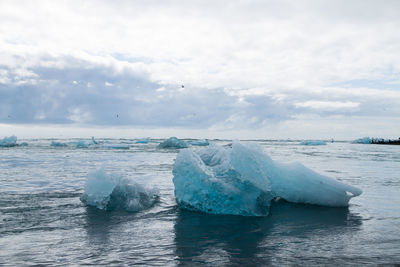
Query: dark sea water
{"points": [[43, 222]]}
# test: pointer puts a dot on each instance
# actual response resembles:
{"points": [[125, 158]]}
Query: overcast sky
{"points": [[250, 69]]}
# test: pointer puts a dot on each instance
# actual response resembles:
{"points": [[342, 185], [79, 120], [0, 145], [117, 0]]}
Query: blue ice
{"points": [[86, 143], [364, 140], [8, 141], [143, 141], [58, 144], [242, 180], [116, 146], [109, 191], [312, 143], [203, 142], [173, 142]]}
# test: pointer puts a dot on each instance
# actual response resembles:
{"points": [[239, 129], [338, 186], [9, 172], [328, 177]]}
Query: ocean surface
{"points": [[43, 222]]}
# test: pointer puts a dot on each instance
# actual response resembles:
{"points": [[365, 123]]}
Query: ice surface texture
{"points": [[8, 141], [312, 143], [241, 179], [173, 142], [111, 192]]}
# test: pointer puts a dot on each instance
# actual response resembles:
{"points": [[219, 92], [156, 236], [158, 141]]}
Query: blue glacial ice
{"points": [[112, 192], [143, 141], [313, 143], [173, 142], [116, 146], [242, 180], [58, 144], [86, 143], [203, 142], [364, 140], [8, 141]]}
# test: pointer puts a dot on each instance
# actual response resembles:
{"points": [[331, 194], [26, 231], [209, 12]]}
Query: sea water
{"points": [[44, 222]]}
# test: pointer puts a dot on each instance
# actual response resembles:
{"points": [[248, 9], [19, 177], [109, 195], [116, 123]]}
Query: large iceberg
{"points": [[173, 142], [313, 143], [111, 192], [8, 141], [241, 179]]}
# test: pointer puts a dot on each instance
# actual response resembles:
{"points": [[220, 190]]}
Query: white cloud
{"points": [[328, 105], [269, 60]]}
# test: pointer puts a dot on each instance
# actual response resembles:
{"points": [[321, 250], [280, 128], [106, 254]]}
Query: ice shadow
{"points": [[236, 240]]}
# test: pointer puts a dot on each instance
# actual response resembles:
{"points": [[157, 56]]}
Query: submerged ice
{"points": [[112, 192], [241, 179]]}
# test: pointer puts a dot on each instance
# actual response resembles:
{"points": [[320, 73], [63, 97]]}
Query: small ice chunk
{"points": [[111, 192], [313, 143], [173, 142], [241, 179], [8, 141]]}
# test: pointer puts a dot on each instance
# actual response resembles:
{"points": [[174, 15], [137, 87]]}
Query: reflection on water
{"points": [[220, 239]]}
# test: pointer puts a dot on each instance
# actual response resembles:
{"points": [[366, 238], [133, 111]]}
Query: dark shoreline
{"points": [[386, 142]]}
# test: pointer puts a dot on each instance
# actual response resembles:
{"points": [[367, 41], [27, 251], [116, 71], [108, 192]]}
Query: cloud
{"points": [[328, 105], [243, 64]]}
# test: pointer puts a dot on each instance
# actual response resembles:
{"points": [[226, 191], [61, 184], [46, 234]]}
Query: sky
{"points": [[201, 69]]}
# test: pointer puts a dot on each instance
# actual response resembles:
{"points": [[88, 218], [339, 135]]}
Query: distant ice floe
{"points": [[242, 180], [58, 144], [111, 192], [364, 140], [9, 141], [173, 142], [143, 141], [116, 146], [203, 142], [86, 143], [313, 143]]}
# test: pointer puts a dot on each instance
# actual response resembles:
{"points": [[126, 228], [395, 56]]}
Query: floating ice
{"points": [[173, 142], [86, 143], [203, 142], [241, 179], [58, 144], [111, 192], [8, 141], [143, 141], [312, 143], [364, 140], [116, 146]]}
